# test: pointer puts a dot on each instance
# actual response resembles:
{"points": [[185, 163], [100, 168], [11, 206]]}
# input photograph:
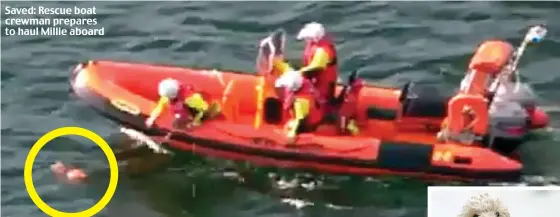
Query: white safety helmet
{"points": [[292, 80], [312, 31], [168, 88]]}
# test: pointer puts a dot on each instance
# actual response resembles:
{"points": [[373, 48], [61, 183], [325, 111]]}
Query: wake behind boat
{"points": [[415, 130]]}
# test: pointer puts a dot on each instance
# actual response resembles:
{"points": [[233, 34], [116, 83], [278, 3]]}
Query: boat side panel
{"points": [[382, 156], [385, 165]]}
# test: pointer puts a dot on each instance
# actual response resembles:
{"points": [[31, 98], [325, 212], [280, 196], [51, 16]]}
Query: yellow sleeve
{"points": [[279, 65], [319, 61], [197, 102], [301, 110], [160, 106]]}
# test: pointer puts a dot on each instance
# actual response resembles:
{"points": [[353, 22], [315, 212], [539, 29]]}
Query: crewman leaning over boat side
{"points": [[187, 104], [319, 60], [300, 101]]}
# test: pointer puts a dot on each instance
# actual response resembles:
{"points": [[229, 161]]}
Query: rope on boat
{"points": [[145, 140]]}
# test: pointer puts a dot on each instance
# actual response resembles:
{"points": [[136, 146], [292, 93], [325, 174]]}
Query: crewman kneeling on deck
{"points": [[300, 101], [348, 104], [187, 104]]}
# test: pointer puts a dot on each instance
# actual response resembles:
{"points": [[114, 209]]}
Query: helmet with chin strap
{"points": [[168, 88], [313, 31]]}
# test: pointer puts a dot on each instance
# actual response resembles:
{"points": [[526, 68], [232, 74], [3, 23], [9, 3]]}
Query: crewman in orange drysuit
{"points": [[186, 103], [321, 68], [300, 101], [319, 60]]}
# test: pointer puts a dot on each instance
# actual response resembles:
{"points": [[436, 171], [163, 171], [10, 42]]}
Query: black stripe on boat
{"points": [[405, 156]]}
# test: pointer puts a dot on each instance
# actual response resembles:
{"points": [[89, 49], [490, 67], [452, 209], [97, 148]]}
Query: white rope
{"points": [[145, 140]]}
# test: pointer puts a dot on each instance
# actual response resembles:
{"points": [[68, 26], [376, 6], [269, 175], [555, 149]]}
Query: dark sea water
{"points": [[389, 42]]}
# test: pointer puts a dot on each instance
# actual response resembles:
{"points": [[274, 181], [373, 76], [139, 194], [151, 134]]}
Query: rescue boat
{"points": [[401, 131]]}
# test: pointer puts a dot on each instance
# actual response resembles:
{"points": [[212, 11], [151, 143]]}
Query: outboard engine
{"points": [[508, 111], [511, 115], [513, 104]]}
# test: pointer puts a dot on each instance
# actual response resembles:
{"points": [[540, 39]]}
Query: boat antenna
{"points": [[534, 35]]}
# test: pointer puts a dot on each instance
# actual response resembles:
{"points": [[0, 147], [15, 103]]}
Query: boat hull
{"points": [[127, 92]]}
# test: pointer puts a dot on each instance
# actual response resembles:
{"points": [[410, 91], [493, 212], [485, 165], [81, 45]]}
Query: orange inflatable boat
{"points": [[401, 131]]}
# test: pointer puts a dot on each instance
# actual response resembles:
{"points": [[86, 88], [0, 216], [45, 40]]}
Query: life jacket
{"points": [[323, 79], [306, 91], [178, 105]]}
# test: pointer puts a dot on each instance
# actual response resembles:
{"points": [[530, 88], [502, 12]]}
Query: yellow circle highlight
{"points": [[64, 131]]}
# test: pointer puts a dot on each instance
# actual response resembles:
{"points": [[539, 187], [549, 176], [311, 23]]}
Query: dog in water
{"points": [[484, 205], [68, 172]]}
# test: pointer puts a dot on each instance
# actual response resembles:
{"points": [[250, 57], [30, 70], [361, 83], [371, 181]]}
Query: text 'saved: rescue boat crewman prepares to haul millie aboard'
{"points": [[187, 104]]}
